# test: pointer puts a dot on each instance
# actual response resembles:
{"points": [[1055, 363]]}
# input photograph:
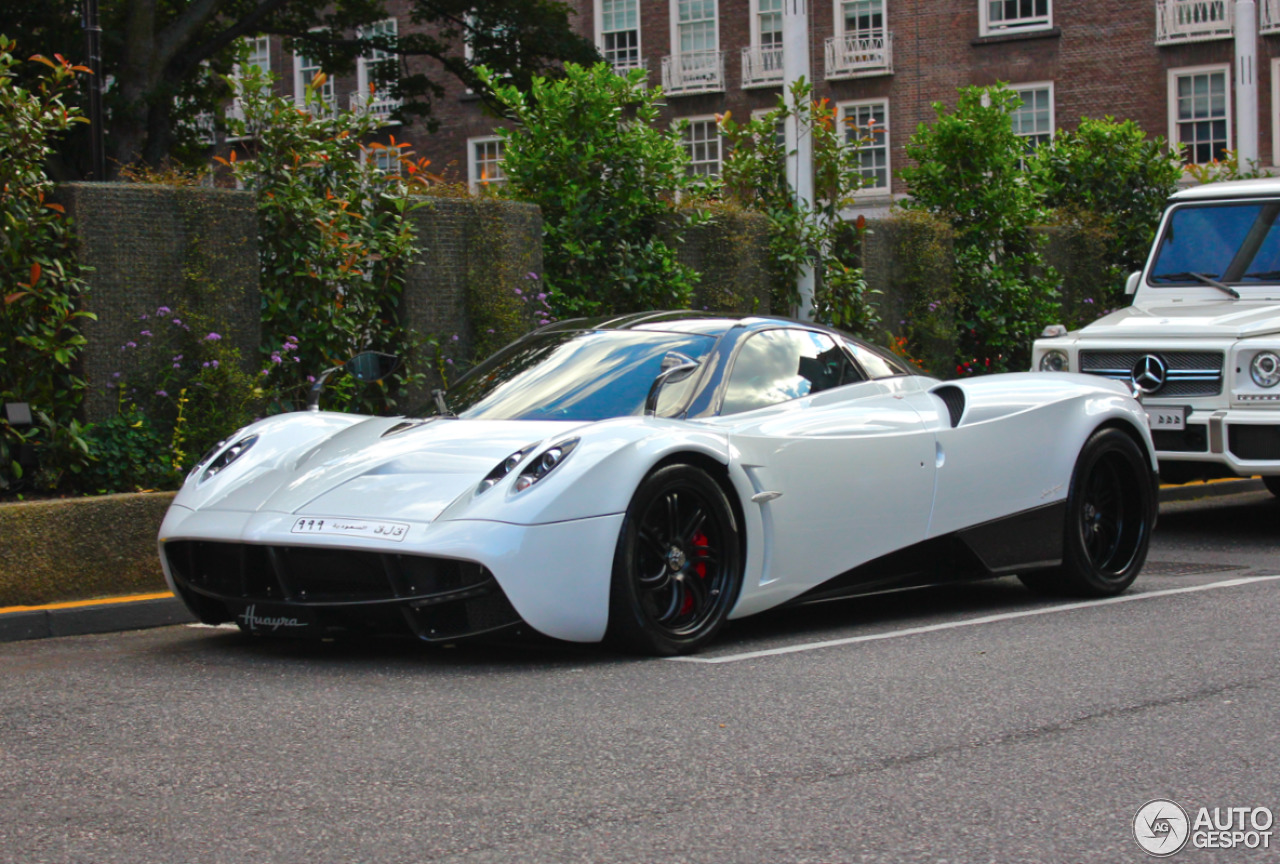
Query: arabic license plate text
{"points": [[1167, 419]]}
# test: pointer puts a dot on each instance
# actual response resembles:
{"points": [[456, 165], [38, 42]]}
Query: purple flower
{"points": [[490, 330], [293, 339], [1088, 299], [449, 361], [542, 296], [519, 293], [177, 358], [212, 337], [275, 358], [142, 317], [115, 374], [454, 337], [213, 363], [131, 344], [531, 275], [163, 310], [146, 333], [204, 365], [161, 393], [297, 359], [311, 379], [177, 365], [177, 322]]}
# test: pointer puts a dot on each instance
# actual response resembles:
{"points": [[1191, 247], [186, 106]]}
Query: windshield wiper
{"points": [[442, 407], [1265, 275], [1199, 277]]}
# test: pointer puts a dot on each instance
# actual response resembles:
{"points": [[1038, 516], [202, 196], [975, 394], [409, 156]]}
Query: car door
{"points": [[842, 469]]}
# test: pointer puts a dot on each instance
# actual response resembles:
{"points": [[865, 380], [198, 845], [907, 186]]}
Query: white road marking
{"points": [[970, 622], [214, 626]]}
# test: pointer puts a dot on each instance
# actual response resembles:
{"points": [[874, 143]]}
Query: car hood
{"points": [[379, 468], [1230, 319]]}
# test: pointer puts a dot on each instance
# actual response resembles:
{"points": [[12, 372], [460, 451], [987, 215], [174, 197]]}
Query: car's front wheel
{"points": [[1111, 511], [677, 570]]}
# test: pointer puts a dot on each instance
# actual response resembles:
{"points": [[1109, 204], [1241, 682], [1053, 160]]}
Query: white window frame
{"points": [[474, 181], [254, 43], [1172, 108], [1053, 115], [842, 112], [840, 32], [363, 63], [675, 26], [600, 32], [756, 32], [685, 123], [1025, 24], [1275, 111], [301, 80]]}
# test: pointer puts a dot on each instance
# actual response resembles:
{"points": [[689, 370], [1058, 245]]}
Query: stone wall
{"points": [[151, 246]]}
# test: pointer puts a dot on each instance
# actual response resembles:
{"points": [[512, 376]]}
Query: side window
{"points": [[876, 364], [779, 365]]}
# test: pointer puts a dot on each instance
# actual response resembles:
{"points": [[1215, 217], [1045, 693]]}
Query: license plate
{"points": [[394, 531], [1167, 419]]}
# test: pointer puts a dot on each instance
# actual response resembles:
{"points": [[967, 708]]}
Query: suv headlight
{"points": [[1265, 369], [1055, 361]]}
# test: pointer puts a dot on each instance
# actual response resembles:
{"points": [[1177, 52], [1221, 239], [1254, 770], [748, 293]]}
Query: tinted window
{"points": [[571, 375], [777, 365], [1209, 240]]}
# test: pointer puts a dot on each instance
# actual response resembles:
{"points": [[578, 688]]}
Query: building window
{"points": [[862, 45], [861, 19], [1199, 112], [696, 26], [1033, 120], [484, 163], [1005, 16], [304, 70], [375, 72], [867, 124], [702, 142], [619, 39], [762, 60]]}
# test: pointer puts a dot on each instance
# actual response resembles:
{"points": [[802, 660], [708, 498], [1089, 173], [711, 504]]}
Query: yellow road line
{"points": [[75, 604]]}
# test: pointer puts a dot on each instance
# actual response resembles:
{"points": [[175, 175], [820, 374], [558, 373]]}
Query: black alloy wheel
{"points": [[1111, 512], [678, 567]]}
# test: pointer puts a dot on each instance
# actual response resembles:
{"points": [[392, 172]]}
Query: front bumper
{"points": [[1242, 442], [443, 581]]}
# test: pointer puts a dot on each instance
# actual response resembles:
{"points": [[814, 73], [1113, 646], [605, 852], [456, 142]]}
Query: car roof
{"points": [[1258, 188]]}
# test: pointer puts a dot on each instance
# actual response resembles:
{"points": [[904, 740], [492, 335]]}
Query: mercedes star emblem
{"points": [[1149, 373]]}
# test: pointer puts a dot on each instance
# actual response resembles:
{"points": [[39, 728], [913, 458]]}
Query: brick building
{"points": [[1166, 64]]}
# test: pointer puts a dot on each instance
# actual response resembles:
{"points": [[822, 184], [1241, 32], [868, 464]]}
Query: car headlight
{"points": [[1265, 369], [1055, 361], [503, 468], [228, 455], [545, 463]]}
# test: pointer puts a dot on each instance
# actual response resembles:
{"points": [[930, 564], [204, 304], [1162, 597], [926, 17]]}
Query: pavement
{"points": [[140, 611]]}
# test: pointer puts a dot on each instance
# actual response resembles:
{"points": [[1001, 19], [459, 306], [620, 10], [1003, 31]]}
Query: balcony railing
{"points": [[693, 72], [235, 116], [1181, 21], [858, 55], [376, 104], [761, 67], [1269, 16], [623, 63]]}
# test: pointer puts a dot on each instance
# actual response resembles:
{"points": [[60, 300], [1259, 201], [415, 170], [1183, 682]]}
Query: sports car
{"points": [[644, 479]]}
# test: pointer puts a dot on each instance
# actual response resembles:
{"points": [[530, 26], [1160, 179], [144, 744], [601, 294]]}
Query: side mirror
{"points": [[366, 367], [675, 367], [1131, 284]]}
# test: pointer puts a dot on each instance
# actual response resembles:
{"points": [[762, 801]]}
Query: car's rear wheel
{"points": [[677, 570], [1111, 511], [1272, 483]]}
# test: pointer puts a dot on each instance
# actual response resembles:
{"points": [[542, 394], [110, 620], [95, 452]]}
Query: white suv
{"points": [[1201, 342]]}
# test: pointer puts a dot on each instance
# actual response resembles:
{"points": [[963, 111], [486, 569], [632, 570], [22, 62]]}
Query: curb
{"points": [[149, 610], [102, 616], [1210, 489]]}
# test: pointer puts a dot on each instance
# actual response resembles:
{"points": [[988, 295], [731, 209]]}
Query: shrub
{"points": [[335, 242], [41, 289], [969, 171], [589, 153]]}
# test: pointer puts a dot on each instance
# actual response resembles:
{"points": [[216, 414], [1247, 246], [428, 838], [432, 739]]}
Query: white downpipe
{"points": [[1246, 83], [795, 65]]}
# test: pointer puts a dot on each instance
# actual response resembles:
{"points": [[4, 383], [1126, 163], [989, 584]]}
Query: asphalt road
{"points": [[966, 724]]}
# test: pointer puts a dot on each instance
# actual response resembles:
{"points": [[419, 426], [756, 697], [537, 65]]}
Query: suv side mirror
{"points": [[1131, 284]]}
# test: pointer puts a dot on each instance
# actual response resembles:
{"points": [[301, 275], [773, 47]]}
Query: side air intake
{"points": [[953, 397]]}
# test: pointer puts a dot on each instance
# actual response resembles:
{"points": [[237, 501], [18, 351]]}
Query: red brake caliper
{"points": [[699, 567]]}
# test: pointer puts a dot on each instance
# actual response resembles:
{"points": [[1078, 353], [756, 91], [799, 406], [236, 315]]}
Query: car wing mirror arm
{"points": [[675, 367]]}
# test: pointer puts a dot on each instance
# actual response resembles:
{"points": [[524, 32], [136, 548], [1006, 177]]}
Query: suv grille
{"points": [[1189, 373]]}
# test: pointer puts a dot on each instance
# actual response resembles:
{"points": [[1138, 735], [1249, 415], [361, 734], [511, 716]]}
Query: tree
{"points": [[164, 57], [969, 172], [590, 153]]}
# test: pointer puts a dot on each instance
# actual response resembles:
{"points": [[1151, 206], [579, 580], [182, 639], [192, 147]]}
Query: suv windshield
{"points": [[1219, 245], [574, 375]]}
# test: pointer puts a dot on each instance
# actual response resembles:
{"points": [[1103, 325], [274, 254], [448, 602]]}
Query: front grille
{"points": [[1191, 373], [1193, 439], [1254, 442], [310, 575]]}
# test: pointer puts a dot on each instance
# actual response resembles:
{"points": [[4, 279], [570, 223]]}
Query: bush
{"points": [[41, 290], [969, 172], [335, 243], [589, 153]]}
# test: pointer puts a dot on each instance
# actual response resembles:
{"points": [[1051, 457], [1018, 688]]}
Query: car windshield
{"points": [[1220, 244], [574, 375]]}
